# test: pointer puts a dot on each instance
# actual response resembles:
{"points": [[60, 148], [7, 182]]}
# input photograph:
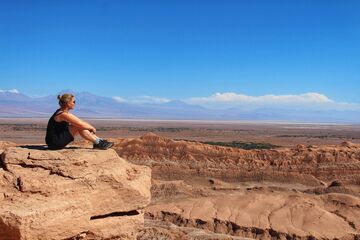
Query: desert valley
{"points": [[182, 180]]}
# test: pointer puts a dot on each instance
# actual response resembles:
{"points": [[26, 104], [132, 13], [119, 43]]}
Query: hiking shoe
{"points": [[109, 143], [103, 144]]}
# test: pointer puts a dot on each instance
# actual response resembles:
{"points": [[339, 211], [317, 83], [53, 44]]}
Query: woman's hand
{"points": [[93, 130]]}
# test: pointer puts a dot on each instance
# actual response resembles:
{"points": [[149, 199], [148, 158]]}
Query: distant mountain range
{"points": [[14, 104]]}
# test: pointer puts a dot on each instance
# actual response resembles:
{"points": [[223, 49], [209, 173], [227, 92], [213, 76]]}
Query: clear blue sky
{"points": [[180, 49]]}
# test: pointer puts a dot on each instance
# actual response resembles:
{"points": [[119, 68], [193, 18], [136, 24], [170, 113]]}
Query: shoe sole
{"points": [[110, 145]]}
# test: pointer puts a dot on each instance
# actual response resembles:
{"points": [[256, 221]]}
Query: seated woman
{"points": [[64, 126]]}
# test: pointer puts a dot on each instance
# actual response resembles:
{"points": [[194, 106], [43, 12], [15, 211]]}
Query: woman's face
{"points": [[71, 104]]}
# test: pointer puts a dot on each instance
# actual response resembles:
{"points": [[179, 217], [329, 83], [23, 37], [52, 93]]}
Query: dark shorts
{"points": [[60, 141]]}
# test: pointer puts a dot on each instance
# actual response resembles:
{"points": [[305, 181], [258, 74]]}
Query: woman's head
{"points": [[66, 100]]}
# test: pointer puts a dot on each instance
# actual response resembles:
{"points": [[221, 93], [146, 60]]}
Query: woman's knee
{"points": [[84, 132]]}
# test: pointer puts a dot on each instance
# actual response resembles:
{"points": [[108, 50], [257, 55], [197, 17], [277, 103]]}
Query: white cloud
{"points": [[142, 100], [151, 99], [230, 97], [9, 91], [119, 99], [226, 100], [311, 100]]}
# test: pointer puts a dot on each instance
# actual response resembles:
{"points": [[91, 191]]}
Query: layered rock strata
{"points": [[266, 215], [171, 159], [70, 193]]}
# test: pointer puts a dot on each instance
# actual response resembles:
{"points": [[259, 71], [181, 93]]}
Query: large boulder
{"points": [[70, 193]]}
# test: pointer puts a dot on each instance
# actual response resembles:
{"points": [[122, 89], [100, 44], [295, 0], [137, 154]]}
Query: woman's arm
{"points": [[77, 122]]}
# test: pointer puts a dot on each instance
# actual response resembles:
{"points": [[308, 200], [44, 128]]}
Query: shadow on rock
{"points": [[45, 147]]}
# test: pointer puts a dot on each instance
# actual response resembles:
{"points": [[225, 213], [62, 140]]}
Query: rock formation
{"points": [[70, 194], [266, 215], [5, 144], [199, 191], [308, 165], [306, 192]]}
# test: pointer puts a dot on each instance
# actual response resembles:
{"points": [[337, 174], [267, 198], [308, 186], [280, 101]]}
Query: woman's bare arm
{"points": [[75, 121]]}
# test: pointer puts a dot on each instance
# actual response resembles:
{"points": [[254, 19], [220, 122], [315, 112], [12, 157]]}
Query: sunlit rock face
{"points": [[70, 193]]}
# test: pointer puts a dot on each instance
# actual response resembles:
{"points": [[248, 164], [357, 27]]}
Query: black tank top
{"points": [[54, 128]]}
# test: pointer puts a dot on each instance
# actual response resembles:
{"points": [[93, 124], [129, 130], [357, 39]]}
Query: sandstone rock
{"points": [[347, 144], [157, 230], [175, 189], [300, 147], [176, 160], [335, 183], [5, 144], [61, 194], [266, 215], [220, 185]]}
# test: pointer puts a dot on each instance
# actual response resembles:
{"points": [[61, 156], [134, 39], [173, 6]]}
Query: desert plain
{"points": [[32, 130]]}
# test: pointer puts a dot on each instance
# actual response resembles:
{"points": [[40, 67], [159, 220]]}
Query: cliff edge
{"points": [[70, 194]]}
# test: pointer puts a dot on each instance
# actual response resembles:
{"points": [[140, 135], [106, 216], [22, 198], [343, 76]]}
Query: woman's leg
{"points": [[73, 130], [86, 134]]}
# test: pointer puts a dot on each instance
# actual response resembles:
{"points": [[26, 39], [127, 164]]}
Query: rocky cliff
{"points": [[171, 159], [70, 194]]}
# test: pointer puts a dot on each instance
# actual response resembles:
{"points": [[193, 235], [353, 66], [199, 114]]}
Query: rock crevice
{"points": [[116, 214]]}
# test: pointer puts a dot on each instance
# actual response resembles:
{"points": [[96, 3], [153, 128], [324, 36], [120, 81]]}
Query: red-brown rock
{"points": [[60, 194]]}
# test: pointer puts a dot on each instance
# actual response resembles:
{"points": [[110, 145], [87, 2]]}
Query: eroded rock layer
{"points": [[61, 194], [266, 215], [308, 165]]}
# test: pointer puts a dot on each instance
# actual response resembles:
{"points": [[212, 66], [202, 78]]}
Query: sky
{"points": [[202, 52]]}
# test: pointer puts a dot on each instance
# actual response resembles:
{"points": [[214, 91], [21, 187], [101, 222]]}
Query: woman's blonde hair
{"points": [[64, 99]]}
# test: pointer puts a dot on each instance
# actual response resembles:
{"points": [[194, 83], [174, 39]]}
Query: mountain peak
{"points": [[12, 95], [14, 91]]}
